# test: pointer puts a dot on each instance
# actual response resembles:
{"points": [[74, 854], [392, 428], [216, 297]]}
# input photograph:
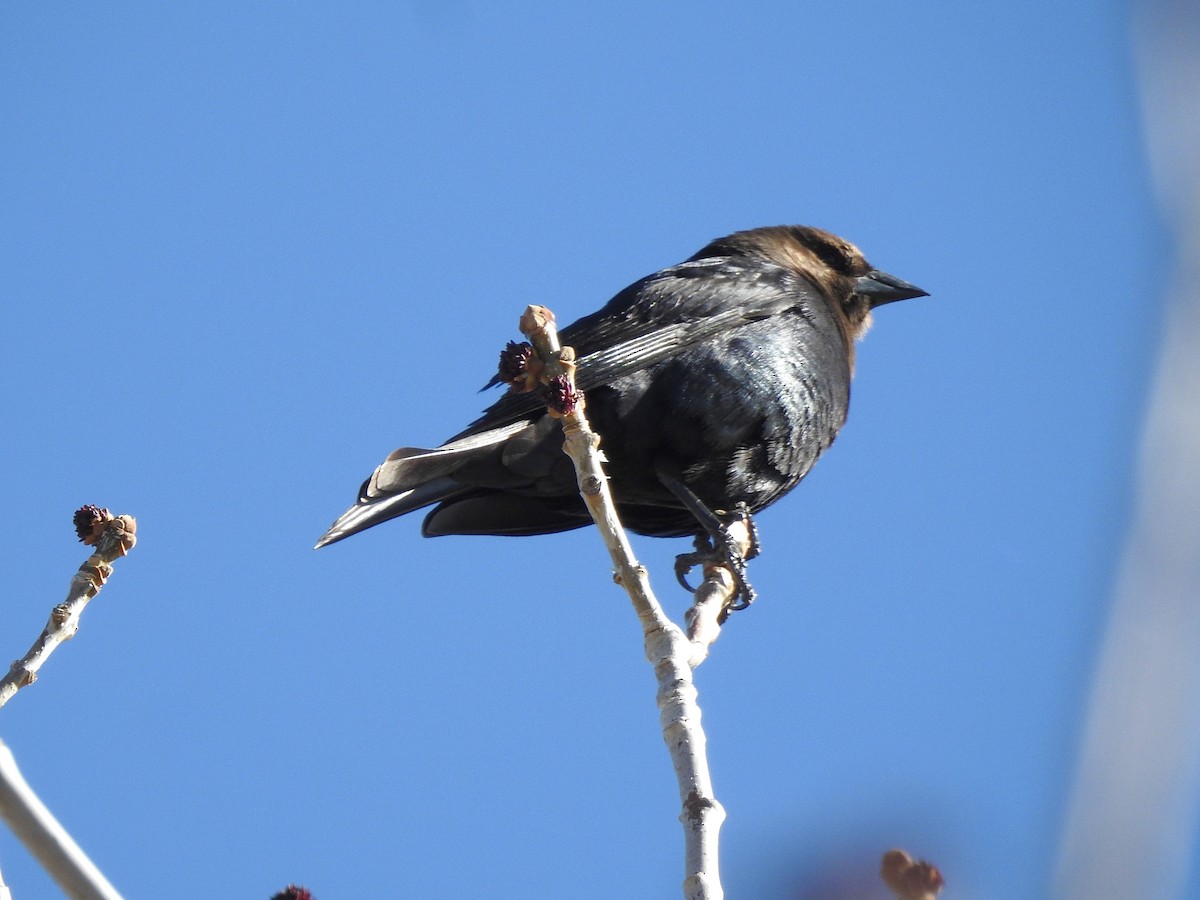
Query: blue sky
{"points": [[247, 250]]}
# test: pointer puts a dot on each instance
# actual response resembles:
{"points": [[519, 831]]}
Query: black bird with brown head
{"points": [[714, 385]]}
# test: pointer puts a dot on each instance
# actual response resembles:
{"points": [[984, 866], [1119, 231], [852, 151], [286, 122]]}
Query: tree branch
{"points": [[20, 808], [672, 653], [113, 537], [45, 838]]}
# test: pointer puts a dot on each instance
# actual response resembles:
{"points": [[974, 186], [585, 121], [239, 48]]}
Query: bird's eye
{"points": [[833, 256]]}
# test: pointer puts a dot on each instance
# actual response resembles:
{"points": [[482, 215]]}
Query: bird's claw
{"points": [[685, 562], [721, 549], [728, 546]]}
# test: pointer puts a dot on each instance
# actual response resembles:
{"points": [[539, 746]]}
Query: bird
{"points": [[714, 385]]}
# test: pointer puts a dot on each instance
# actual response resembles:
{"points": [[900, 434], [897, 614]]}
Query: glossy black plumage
{"points": [[728, 373]]}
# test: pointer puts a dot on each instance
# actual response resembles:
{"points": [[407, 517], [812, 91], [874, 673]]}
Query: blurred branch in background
{"points": [[910, 879], [1132, 821], [45, 838]]}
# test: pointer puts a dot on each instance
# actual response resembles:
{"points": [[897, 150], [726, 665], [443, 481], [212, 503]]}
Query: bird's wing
{"points": [[660, 315]]}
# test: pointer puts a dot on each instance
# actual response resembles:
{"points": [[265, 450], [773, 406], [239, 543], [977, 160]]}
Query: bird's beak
{"points": [[880, 288]]}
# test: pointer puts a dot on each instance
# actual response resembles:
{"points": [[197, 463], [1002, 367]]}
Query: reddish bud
{"points": [[519, 368], [910, 879], [89, 523], [561, 396]]}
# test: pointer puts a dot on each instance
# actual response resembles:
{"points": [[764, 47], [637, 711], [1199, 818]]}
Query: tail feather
{"points": [[413, 477], [411, 466], [504, 514], [371, 511]]}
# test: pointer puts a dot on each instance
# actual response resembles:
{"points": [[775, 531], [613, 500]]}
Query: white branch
{"points": [[113, 537], [20, 808], [668, 649]]}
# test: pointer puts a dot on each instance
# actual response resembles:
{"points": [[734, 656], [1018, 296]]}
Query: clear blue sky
{"points": [[248, 249]]}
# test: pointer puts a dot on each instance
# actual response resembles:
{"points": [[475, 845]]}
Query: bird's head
{"points": [[834, 265]]}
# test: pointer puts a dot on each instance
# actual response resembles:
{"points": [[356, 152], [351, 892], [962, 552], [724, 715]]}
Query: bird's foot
{"points": [[685, 562], [722, 547]]}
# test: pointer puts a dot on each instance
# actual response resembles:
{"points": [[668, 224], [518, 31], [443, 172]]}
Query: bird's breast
{"points": [[740, 418]]}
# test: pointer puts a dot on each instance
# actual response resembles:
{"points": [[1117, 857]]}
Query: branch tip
{"points": [[112, 536], [534, 320], [118, 537]]}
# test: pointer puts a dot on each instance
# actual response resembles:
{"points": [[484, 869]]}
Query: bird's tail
{"points": [[412, 478]]}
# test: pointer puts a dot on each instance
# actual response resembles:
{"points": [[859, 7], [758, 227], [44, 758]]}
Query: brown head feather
{"points": [[831, 263]]}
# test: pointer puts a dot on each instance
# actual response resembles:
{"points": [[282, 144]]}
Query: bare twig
{"points": [[20, 808], [45, 838], [669, 650], [113, 537]]}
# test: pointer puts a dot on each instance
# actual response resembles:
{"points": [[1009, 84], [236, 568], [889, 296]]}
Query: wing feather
{"points": [[659, 316]]}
